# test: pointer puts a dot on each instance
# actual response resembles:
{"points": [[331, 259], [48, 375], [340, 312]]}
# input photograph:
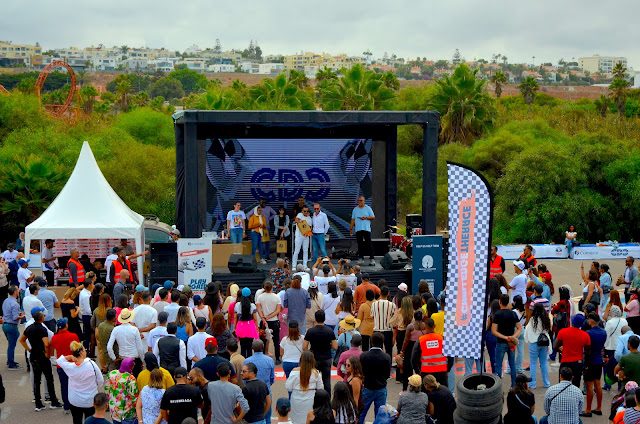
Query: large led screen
{"points": [[332, 172]]}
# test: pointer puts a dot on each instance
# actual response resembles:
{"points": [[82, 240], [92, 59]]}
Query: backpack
{"points": [[560, 321]]}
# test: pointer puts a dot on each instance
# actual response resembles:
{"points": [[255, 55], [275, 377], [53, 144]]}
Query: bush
{"points": [[147, 126]]}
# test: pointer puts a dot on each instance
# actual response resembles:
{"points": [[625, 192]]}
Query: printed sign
{"points": [[194, 263], [427, 263]]}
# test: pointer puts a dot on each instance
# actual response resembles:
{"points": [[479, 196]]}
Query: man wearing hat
{"points": [[519, 283], [181, 401], [49, 301], [61, 343], [209, 364], [25, 276], [146, 317], [129, 342], [575, 345]]}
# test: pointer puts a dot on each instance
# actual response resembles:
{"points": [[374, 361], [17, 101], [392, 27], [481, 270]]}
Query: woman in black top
{"points": [[520, 402], [321, 412], [441, 401], [71, 311], [281, 224]]}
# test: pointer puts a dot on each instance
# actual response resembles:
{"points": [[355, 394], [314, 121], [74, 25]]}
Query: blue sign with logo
{"points": [[427, 263]]}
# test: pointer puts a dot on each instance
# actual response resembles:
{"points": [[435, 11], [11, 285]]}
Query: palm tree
{"points": [[298, 78], [278, 94], [123, 93], [499, 79], [124, 49], [466, 111], [602, 104], [391, 80], [528, 88], [212, 99], [88, 95], [619, 70], [238, 85], [358, 89], [325, 74], [618, 89], [82, 77]]}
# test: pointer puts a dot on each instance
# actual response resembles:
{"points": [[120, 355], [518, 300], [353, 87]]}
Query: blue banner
{"points": [[427, 263]]}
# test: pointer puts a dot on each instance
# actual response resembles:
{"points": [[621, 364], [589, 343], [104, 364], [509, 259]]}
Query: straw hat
{"points": [[126, 315], [350, 323], [415, 380]]}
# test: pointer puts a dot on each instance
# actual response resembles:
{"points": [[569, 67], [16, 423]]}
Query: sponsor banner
{"points": [[427, 262], [540, 251], [195, 263], [591, 251], [470, 216]]}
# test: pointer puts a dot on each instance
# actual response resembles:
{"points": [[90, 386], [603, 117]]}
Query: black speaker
{"points": [[242, 263], [380, 246], [394, 260], [163, 262], [414, 220]]}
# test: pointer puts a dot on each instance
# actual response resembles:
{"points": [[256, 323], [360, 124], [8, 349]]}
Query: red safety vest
{"points": [[79, 272], [118, 267], [495, 268], [431, 357], [530, 262]]}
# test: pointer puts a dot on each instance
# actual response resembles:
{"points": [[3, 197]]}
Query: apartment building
{"points": [[301, 61], [604, 64], [270, 68], [30, 55]]}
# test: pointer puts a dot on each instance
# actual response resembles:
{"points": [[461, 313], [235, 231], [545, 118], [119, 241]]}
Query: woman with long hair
{"points": [[413, 404], [432, 307], [291, 348], [221, 332], [98, 289], [606, 284], [401, 294], [521, 402], [441, 401], [614, 299], [355, 381], [202, 310], [246, 322], [100, 312], [561, 313], [122, 302], [493, 290], [316, 304], [401, 319], [71, 312], [183, 321], [539, 327], [281, 229], [545, 276], [343, 405], [321, 412], [303, 382], [416, 302], [519, 309], [330, 303], [592, 292], [415, 330], [504, 285], [347, 305], [148, 404], [212, 296], [85, 378], [136, 299], [491, 340], [613, 327]]}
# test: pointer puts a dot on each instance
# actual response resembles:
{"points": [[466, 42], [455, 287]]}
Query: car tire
{"points": [[457, 419], [482, 414], [466, 393]]}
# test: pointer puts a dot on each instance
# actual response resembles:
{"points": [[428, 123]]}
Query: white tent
{"points": [[88, 208]]}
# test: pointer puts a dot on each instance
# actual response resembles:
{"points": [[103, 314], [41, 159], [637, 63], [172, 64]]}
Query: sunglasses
{"points": [[316, 209]]}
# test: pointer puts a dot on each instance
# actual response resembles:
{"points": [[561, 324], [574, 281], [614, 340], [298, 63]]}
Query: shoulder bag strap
{"points": [[615, 329], [556, 395], [522, 403], [94, 366]]}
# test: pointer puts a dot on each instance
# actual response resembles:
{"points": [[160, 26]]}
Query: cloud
{"points": [[548, 30]]}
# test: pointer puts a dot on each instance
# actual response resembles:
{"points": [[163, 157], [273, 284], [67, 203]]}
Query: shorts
{"points": [[593, 372]]}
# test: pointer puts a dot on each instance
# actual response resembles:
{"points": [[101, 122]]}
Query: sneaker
{"points": [[262, 261], [554, 364], [66, 412], [372, 263], [47, 400], [56, 405], [527, 369], [40, 408], [15, 367]]}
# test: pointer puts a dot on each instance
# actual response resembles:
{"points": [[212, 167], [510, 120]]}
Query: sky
{"points": [[548, 30]]}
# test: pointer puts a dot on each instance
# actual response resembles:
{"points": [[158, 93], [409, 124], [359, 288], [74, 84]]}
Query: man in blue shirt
{"points": [[593, 364], [623, 342], [361, 218], [266, 368], [49, 301], [12, 316]]}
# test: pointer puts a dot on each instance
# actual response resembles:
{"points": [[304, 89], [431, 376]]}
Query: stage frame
{"points": [[193, 127]]}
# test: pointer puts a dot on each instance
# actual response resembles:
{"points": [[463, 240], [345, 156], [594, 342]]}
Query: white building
{"points": [[249, 67], [194, 63], [311, 71], [221, 68], [193, 49], [270, 68], [105, 63]]}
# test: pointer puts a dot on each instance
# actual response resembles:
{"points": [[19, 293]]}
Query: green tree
{"points": [[619, 71], [123, 94], [108, 96], [466, 111], [88, 95], [618, 92], [278, 94], [212, 99], [528, 88], [298, 78], [390, 80], [357, 89], [192, 81], [238, 85], [602, 104], [168, 88], [29, 185], [325, 74], [82, 77], [498, 79], [27, 85]]}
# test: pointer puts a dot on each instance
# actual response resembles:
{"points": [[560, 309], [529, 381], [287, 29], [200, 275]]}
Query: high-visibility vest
{"points": [[79, 272], [431, 357], [530, 262], [118, 267], [495, 268]]}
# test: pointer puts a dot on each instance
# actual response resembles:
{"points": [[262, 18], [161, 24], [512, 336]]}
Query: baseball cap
{"points": [[175, 232], [62, 322], [246, 292], [577, 320], [197, 298], [403, 287], [313, 284], [283, 405], [40, 281], [519, 264], [141, 288], [23, 261], [36, 309], [180, 372], [186, 289], [521, 378], [155, 287], [180, 287], [211, 341], [117, 249], [168, 285]]}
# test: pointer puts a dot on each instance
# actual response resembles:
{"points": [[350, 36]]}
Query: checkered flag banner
{"points": [[470, 221]]}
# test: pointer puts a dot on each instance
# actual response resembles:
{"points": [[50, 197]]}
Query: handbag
{"points": [[266, 237], [281, 246], [399, 360], [543, 340]]}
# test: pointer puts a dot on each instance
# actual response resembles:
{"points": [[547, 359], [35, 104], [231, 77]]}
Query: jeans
{"points": [[569, 244], [287, 367], [468, 365], [365, 247], [80, 414], [324, 367], [519, 353], [42, 366], [490, 344], [538, 354], [64, 388], [235, 234], [604, 300], [256, 244], [266, 246], [318, 246], [12, 333], [501, 349], [377, 397]]}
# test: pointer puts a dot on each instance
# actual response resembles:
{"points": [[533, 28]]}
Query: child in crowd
{"points": [[100, 404], [283, 407]]}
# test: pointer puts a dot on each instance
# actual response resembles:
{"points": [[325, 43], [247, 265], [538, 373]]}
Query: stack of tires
{"points": [[476, 406]]}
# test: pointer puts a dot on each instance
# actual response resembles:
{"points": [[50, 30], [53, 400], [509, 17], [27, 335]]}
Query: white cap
{"points": [[403, 287], [519, 264], [180, 287]]}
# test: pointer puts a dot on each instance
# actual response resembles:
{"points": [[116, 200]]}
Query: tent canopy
{"points": [[70, 216]]}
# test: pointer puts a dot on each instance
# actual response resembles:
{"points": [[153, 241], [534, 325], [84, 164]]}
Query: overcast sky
{"points": [[546, 29]]}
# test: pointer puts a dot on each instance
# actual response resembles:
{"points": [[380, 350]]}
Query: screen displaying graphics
{"points": [[333, 172]]}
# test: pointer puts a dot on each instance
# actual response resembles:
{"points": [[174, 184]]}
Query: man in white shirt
{"points": [[304, 276], [171, 351], [30, 301], [129, 342], [158, 332], [107, 263], [25, 276], [84, 301], [195, 345], [159, 305], [519, 283], [11, 253], [146, 316], [48, 262], [327, 276], [320, 228], [269, 307], [302, 240], [173, 308]]}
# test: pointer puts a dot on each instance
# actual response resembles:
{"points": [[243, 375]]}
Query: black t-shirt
{"points": [[207, 401], [443, 405], [255, 392], [94, 420], [517, 413], [320, 338], [506, 320], [35, 333], [182, 401], [209, 366]]}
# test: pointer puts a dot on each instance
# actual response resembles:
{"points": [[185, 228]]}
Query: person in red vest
{"points": [[496, 263], [427, 354], [75, 268], [528, 258], [119, 264]]}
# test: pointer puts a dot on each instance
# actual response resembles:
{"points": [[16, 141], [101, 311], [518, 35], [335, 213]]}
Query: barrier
{"points": [[540, 251], [592, 251]]}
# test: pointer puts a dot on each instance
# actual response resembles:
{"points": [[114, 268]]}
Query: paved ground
{"points": [[18, 406]]}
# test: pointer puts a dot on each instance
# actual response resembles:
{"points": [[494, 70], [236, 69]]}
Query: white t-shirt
{"points": [[329, 305], [238, 309], [144, 316], [567, 234], [235, 219], [519, 287], [323, 283], [292, 349], [9, 256], [47, 254], [351, 279], [302, 217], [107, 265], [155, 335], [306, 279], [269, 303], [23, 275]]}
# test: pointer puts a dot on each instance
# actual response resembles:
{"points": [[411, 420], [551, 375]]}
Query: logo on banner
{"points": [[619, 252], [465, 244], [427, 262]]}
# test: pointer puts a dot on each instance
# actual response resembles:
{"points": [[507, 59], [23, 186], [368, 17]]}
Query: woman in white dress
{"points": [[303, 383]]}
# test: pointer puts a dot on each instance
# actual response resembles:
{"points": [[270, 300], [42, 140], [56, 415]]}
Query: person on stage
{"points": [[361, 218], [268, 213], [320, 229], [302, 240], [497, 263], [297, 208], [235, 224]]}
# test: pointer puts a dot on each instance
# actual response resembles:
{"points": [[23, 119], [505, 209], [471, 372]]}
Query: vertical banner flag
{"points": [[194, 263], [427, 262], [470, 221]]}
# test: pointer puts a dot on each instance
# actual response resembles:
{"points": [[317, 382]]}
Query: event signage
{"points": [[592, 251], [194, 263], [470, 219], [427, 262], [540, 251]]}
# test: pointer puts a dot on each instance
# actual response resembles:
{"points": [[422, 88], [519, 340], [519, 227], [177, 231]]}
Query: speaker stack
{"points": [[242, 263], [396, 259], [414, 222], [163, 262]]}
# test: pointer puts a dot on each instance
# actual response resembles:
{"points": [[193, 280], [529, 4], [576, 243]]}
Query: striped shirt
{"points": [[382, 311]]}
